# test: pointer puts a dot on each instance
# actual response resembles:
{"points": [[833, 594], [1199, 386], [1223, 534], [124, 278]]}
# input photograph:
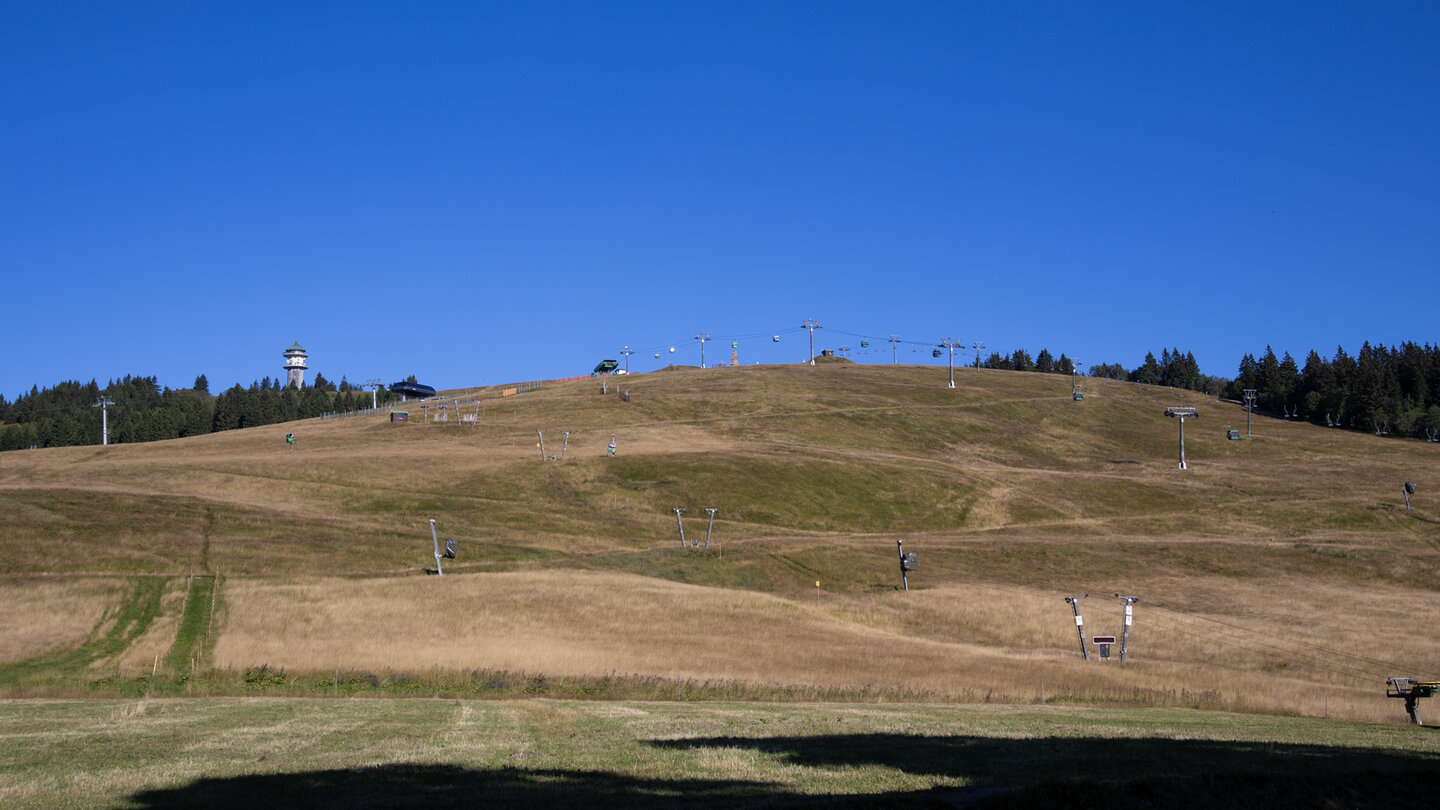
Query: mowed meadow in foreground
{"points": [[1279, 573], [271, 752]]}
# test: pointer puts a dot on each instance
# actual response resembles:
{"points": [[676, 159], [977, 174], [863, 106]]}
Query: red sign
{"points": [[1102, 639]]}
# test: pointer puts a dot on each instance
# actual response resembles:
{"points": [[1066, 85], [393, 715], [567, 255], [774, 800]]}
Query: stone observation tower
{"points": [[295, 365]]}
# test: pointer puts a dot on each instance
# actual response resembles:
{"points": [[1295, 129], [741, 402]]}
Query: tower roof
{"points": [[295, 347]]}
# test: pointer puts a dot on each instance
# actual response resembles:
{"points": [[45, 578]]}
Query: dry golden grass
{"points": [[964, 643], [43, 614], [1262, 570]]}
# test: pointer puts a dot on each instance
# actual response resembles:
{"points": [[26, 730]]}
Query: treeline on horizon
{"points": [[143, 411], [1394, 390]]}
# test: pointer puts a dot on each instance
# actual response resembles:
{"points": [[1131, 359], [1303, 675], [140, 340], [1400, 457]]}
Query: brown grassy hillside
{"points": [[1276, 573]]}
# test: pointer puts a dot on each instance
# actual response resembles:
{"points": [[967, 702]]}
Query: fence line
{"points": [[440, 401]]}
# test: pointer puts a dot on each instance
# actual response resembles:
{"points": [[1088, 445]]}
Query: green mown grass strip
{"points": [[191, 637], [130, 620]]}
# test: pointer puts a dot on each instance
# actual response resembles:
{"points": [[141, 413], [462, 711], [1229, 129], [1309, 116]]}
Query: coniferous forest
{"points": [[140, 410], [1392, 391]]}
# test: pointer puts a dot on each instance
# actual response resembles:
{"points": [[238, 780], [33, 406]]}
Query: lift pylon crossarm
{"points": [[1411, 690]]}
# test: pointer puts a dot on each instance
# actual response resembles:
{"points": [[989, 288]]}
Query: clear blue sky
{"points": [[477, 193]]}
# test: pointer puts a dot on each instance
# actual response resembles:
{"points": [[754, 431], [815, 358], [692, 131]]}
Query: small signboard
{"points": [[1103, 642], [909, 561]]}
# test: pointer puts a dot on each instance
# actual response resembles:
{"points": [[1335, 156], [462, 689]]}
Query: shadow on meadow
{"points": [[1120, 772], [452, 786], [1051, 772]]}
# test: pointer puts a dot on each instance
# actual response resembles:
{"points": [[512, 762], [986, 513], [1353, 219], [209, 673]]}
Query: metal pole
{"points": [[709, 528], [702, 337], [812, 326], [541, 434], [952, 345], [1249, 408], [1182, 442], [627, 351], [565, 445], [1074, 602], [436, 540], [894, 349], [899, 546], [1129, 618], [101, 403], [681, 524]]}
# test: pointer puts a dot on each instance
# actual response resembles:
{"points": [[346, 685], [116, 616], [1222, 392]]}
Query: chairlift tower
{"points": [[627, 351], [812, 325], [978, 347], [1182, 414], [374, 385], [708, 529], [1129, 618], [1074, 603], [678, 512], [952, 345], [1249, 407], [1411, 690], [894, 349], [702, 337], [102, 403]]}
